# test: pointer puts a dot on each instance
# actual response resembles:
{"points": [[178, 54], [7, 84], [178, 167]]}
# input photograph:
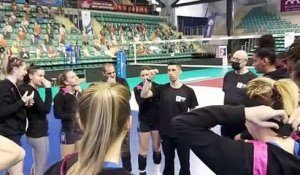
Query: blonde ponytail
{"points": [[268, 92], [62, 78], [4, 68], [289, 93], [103, 110], [259, 87]]}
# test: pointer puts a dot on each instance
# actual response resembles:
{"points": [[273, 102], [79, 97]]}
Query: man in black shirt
{"points": [[234, 88], [109, 73], [264, 61], [175, 98]]}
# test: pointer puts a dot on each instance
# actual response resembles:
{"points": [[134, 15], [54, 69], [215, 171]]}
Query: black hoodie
{"points": [[280, 73], [225, 156], [65, 108], [12, 110], [37, 114]]}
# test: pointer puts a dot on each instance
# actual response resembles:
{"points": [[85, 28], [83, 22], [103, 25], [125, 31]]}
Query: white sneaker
{"points": [[157, 169], [143, 172]]}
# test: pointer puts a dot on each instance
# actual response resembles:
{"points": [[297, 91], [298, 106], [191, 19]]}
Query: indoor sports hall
{"points": [[207, 85], [83, 36]]}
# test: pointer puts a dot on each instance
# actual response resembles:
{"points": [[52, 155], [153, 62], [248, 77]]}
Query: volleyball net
{"points": [[160, 52]]}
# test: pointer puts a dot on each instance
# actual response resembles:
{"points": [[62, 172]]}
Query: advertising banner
{"points": [[98, 4], [86, 21], [289, 5], [221, 52], [56, 3], [289, 39], [17, 1], [210, 26], [111, 5], [134, 9]]}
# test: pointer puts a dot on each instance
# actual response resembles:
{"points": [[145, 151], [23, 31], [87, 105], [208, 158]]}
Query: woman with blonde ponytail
{"points": [[4, 68], [274, 150], [104, 116], [65, 108], [280, 94], [13, 105]]}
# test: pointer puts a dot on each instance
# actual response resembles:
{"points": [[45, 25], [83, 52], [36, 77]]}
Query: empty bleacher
{"points": [[91, 56], [258, 21]]}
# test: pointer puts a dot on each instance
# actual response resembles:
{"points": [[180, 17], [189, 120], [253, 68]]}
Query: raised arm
{"points": [[215, 151], [146, 90], [137, 94], [44, 107]]}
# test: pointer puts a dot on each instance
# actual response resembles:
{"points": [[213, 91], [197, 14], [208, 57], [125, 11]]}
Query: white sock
{"points": [[142, 171], [157, 169]]}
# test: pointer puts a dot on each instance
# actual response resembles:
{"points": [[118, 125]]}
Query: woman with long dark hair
{"points": [[37, 131], [148, 124]]}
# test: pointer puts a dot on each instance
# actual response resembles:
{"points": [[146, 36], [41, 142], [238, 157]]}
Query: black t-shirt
{"points": [[173, 102], [148, 107], [234, 87], [121, 81], [235, 94]]}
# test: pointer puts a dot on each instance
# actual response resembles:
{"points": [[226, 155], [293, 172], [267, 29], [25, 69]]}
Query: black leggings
{"points": [[169, 144]]}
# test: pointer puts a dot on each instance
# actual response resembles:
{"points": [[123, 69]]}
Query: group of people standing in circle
{"points": [[260, 120], [23, 111], [22, 105]]}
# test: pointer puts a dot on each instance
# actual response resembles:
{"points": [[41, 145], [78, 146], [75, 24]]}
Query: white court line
{"points": [[206, 96], [193, 79], [184, 65]]}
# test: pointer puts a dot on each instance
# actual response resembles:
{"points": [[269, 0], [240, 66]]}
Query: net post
{"points": [[135, 52]]}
